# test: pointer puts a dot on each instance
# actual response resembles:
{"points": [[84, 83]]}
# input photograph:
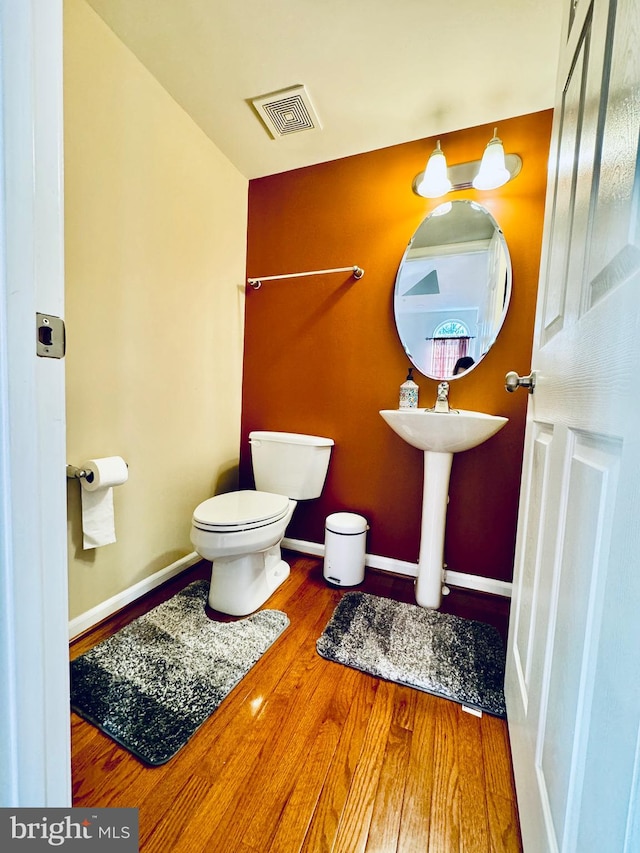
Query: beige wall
{"points": [[155, 234]]}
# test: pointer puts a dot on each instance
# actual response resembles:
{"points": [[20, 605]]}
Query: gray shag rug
{"points": [[458, 659], [151, 685]]}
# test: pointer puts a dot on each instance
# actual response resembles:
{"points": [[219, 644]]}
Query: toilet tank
{"points": [[289, 463]]}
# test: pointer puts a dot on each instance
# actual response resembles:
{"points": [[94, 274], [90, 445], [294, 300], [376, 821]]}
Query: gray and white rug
{"points": [[151, 685], [458, 659]]}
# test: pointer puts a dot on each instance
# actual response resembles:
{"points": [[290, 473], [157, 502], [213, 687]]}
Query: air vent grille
{"points": [[287, 111]]}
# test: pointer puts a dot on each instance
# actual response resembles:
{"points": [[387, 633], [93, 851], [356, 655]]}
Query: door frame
{"points": [[34, 673]]}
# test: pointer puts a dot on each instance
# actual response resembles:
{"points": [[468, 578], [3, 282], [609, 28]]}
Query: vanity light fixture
{"points": [[494, 170]]}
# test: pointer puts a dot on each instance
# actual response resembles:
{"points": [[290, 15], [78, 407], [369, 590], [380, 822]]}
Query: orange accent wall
{"points": [[322, 354]]}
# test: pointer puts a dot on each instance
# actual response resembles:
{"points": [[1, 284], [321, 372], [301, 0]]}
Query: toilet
{"points": [[240, 532]]}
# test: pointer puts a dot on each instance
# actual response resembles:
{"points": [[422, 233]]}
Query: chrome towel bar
{"points": [[356, 271]]}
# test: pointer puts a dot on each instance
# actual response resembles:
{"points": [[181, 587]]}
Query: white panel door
{"points": [[573, 659]]}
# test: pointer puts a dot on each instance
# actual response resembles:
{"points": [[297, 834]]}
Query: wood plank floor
{"points": [[308, 755]]}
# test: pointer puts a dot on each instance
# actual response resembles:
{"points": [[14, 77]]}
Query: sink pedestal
{"points": [[439, 435], [429, 583]]}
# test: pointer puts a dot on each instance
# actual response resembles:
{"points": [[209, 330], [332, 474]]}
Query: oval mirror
{"points": [[452, 290]]}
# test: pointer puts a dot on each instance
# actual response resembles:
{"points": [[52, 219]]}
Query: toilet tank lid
{"points": [[290, 438]]}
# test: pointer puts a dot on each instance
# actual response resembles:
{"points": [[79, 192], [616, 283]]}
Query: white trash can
{"points": [[344, 548]]}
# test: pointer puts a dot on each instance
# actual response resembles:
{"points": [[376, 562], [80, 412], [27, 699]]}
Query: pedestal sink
{"points": [[439, 435]]}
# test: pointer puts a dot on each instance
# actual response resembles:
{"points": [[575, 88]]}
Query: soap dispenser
{"points": [[409, 392]]}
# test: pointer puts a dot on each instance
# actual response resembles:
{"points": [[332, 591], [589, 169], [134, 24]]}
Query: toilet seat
{"points": [[237, 511]]}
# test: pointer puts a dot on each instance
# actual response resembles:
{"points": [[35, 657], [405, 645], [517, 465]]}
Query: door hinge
{"points": [[50, 336]]}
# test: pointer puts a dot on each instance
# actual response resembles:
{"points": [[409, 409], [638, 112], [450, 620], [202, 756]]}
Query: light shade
{"points": [[493, 172], [435, 181]]}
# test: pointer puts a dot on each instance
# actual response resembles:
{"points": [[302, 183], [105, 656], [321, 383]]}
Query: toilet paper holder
{"points": [[74, 473]]}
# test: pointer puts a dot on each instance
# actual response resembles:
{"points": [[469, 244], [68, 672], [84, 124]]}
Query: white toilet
{"points": [[241, 532]]}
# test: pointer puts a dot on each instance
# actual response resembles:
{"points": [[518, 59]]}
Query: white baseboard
{"points": [[401, 567], [478, 583], [107, 608], [92, 617]]}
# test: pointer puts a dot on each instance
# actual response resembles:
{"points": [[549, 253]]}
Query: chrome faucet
{"points": [[442, 400]]}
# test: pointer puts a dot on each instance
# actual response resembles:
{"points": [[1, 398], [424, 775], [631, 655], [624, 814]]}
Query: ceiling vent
{"points": [[287, 111]]}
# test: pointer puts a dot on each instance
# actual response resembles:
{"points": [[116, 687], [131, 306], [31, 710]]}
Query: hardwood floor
{"points": [[308, 755]]}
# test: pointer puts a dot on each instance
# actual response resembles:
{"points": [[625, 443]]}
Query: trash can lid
{"points": [[346, 522]]}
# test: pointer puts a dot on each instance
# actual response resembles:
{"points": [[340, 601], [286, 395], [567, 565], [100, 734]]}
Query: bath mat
{"points": [[151, 685], [458, 659]]}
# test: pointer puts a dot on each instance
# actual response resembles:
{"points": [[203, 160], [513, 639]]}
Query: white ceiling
{"points": [[379, 72]]}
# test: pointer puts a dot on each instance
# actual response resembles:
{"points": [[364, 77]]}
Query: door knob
{"points": [[512, 381]]}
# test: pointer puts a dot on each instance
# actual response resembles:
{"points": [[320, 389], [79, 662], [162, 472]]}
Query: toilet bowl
{"points": [[240, 532]]}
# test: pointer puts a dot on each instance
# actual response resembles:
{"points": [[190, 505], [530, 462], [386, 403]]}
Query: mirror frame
{"points": [[506, 267]]}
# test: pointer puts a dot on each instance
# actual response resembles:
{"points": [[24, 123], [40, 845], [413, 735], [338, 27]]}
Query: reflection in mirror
{"points": [[452, 290]]}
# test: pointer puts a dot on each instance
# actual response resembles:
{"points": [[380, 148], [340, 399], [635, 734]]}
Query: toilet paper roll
{"points": [[103, 473], [98, 519]]}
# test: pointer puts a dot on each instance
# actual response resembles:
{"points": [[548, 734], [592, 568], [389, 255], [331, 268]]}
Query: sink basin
{"points": [[443, 432]]}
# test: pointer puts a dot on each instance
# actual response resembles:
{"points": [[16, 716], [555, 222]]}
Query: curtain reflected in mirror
{"points": [[452, 290]]}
